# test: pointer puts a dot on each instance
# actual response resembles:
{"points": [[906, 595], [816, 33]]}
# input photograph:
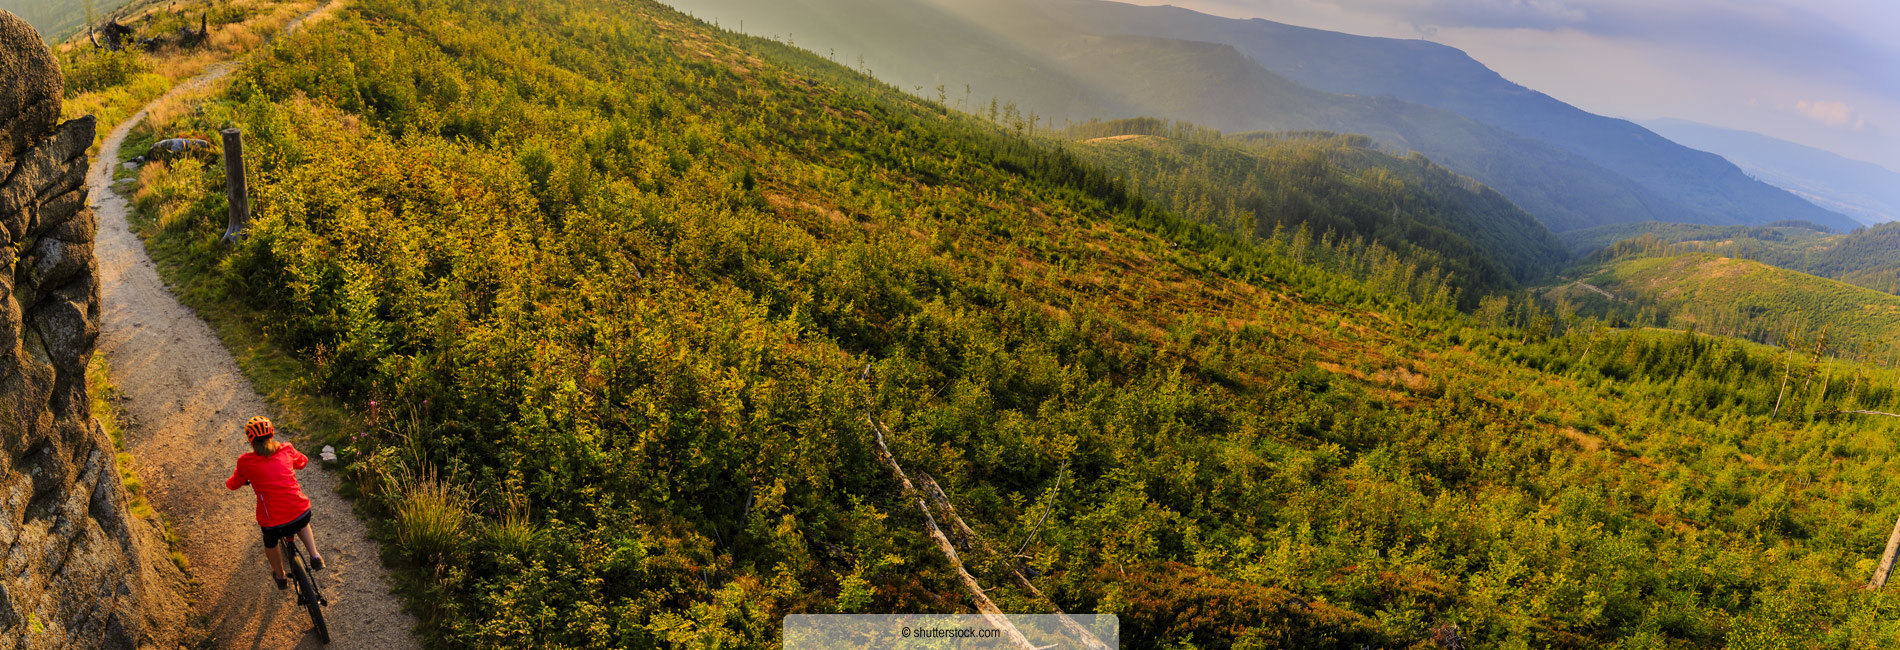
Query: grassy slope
{"points": [[674, 456], [1747, 298], [1867, 257]]}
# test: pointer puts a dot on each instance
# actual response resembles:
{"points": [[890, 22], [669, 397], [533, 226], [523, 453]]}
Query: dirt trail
{"points": [[187, 404]]}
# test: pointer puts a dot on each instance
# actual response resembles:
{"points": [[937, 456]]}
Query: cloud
{"points": [[1849, 41], [1834, 114]]}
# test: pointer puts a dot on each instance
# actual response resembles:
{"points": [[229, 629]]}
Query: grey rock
{"points": [[175, 148], [30, 87], [73, 558]]}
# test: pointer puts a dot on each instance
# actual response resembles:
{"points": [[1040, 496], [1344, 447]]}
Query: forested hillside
{"points": [[1319, 186], [626, 288]]}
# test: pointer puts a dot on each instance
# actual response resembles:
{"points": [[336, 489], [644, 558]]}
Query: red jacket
{"points": [[274, 479]]}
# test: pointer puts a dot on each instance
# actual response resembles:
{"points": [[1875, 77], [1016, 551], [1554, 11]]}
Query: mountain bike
{"points": [[309, 593]]}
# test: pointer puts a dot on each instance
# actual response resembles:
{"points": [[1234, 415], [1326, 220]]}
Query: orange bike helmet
{"points": [[259, 427]]}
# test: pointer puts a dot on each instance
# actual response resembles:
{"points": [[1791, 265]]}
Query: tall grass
{"points": [[431, 516], [514, 534], [168, 190]]}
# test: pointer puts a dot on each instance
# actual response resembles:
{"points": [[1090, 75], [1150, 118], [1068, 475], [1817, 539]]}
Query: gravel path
{"points": [[187, 404]]}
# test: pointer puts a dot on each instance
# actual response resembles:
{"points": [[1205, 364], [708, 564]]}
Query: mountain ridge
{"points": [[1445, 77], [1863, 190], [1061, 73]]}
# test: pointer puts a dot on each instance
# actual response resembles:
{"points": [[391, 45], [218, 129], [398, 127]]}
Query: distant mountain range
{"points": [[1073, 60], [1862, 190]]}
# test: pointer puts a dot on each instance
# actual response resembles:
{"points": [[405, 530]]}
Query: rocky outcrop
{"points": [[77, 570]]}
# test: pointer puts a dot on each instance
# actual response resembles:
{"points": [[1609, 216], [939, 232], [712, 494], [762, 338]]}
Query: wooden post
{"points": [[239, 196], [1886, 561]]}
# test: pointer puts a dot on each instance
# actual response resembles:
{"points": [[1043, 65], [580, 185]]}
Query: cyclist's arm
{"points": [[236, 481], [297, 459]]}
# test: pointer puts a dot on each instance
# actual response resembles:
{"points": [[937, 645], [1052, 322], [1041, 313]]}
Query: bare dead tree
{"points": [[942, 501], [993, 615]]}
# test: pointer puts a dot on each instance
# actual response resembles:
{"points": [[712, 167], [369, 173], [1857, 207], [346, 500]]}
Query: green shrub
{"points": [[90, 70]]}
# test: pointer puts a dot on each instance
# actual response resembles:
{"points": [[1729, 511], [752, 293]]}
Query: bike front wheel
{"points": [[307, 587]]}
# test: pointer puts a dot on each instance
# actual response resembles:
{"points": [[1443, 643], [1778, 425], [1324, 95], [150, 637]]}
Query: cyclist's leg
{"points": [[275, 556], [310, 544]]}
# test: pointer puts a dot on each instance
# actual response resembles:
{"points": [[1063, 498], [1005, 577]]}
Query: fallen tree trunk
{"points": [[942, 501], [1891, 415], [984, 605], [1886, 560]]}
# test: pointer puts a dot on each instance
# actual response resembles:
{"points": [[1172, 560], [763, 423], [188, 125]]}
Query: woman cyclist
{"points": [[282, 509]]}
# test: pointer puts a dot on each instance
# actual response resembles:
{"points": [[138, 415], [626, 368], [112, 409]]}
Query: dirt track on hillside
{"points": [[186, 404]]}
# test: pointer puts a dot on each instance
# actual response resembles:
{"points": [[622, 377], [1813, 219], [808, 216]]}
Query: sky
{"points": [[1823, 73]]}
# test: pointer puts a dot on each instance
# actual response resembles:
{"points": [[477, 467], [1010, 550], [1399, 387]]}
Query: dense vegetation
{"points": [[616, 277], [1591, 241]]}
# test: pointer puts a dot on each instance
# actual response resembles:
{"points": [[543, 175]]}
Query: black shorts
{"points": [[274, 533]]}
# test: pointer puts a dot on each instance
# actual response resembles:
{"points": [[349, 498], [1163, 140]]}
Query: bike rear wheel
{"points": [[307, 588]]}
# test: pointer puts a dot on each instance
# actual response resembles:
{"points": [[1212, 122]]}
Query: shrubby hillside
{"points": [[626, 288]]}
